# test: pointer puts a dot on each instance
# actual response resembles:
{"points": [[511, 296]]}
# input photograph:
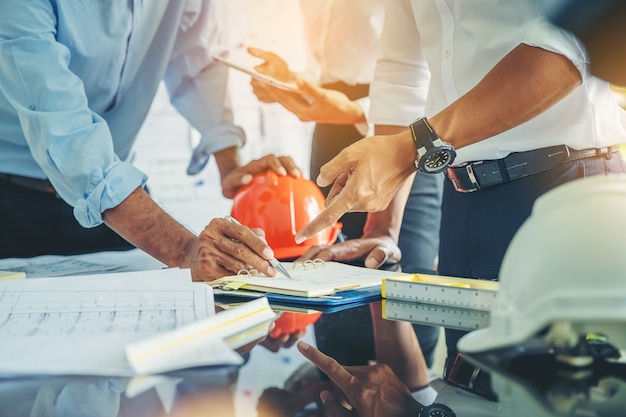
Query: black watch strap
{"points": [[424, 137]]}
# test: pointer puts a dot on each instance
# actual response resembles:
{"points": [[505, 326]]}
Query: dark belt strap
{"points": [[28, 182], [353, 92], [473, 176]]}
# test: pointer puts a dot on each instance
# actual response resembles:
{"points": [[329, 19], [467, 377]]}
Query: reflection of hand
{"points": [[373, 391], [375, 250], [239, 177], [276, 402], [223, 248], [283, 341], [365, 176]]}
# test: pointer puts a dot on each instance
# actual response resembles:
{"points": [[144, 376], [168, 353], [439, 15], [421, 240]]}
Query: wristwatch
{"points": [[433, 156], [436, 410]]}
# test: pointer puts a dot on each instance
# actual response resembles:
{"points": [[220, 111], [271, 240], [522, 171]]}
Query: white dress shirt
{"points": [[343, 39], [434, 51]]}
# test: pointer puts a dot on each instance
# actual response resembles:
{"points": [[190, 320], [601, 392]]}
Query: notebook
{"points": [[309, 279]]}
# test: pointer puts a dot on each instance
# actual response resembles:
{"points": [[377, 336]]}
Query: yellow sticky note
{"points": [[234, 285]]}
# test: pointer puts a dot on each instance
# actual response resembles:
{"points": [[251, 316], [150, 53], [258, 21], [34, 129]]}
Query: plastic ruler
{"points": [[447, 291], [436, 315]]}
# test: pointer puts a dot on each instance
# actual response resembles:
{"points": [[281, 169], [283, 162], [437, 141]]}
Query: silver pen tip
{"points": [[282, 270]]}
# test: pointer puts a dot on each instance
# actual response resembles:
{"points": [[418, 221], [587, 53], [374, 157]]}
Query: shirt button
{"points": [[446, 53]]}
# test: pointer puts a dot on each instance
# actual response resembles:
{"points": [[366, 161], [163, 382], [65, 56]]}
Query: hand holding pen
{"points": [[273, 261]]}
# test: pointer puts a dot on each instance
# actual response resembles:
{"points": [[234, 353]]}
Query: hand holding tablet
{"points": [[283, 85]]}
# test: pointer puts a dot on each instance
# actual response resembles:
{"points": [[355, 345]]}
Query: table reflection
{"points": [[276, 381]]}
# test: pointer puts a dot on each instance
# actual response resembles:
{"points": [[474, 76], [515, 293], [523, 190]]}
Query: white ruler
{"points": [[447, 291], [436, 315]]}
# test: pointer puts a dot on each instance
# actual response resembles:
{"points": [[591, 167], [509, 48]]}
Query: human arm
{"points": [[379, 242], [372, 391], [535, 77], [397, 346], [222, 248]]}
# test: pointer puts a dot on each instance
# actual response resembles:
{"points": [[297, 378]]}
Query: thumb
{"points": [[332, 406], [306, 87], [376, 258]]}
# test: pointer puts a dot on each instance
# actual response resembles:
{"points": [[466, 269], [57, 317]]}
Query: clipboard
{"points": [[359, 296]]}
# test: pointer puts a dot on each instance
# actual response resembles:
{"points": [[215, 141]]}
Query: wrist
{"points": [[432, 154], [408, 149]]}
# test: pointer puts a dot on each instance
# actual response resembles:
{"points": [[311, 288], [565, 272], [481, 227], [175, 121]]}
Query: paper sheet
{"points": [[81, 325], [312, 279], [199, 342], [93, 263]]}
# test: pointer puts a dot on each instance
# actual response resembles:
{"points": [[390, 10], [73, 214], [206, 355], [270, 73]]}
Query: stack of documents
{"points": [[121, 324]]}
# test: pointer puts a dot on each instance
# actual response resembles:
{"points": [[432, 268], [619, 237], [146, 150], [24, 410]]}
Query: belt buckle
{"points": [[470, 175], [462, 374]]}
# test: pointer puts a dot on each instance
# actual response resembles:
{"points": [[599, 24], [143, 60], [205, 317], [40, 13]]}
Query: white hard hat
{"points": [[565, 269]]}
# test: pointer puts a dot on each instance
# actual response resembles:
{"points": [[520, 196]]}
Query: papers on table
{"points": [[81, 325], [90, 263]]}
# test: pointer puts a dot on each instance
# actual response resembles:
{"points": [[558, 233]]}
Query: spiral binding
{"points": [[300, 265], [309, 264]]}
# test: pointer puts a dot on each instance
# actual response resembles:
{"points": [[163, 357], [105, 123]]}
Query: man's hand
{"points": [[223, 248], [376, 251], [312, 103], [239, 177], [365, 176], [372, 391], [274, 66]]}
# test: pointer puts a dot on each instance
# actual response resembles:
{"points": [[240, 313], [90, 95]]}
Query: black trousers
{"points": [[36, 223]]}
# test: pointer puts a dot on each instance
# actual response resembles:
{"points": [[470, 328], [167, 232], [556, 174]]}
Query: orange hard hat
{"points": [[281, 206], [290, 322]]}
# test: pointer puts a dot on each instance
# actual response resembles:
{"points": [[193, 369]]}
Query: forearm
{"points": [[227, 161], [524, 84], [139, 220], [397, 346]]}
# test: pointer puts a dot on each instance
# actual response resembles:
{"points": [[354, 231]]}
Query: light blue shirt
{"points": [[77, 79]]}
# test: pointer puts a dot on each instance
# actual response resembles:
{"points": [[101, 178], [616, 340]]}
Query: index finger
{"points": [[337, 373], [327, 218]]}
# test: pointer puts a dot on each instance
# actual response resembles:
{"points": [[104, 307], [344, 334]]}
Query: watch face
{"points": [[437, 160], [437, 410]]}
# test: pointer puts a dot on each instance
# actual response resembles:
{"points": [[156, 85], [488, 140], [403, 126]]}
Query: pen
{"points": [[273, 261]]}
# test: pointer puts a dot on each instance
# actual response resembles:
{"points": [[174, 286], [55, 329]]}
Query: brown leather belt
{"points": [[473, 176]]}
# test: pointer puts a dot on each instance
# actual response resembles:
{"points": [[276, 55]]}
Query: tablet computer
{"points": [[248, 69]]}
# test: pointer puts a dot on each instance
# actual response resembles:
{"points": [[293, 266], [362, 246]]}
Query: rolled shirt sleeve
{"points": [[198, 86], [544, 34], [401, 79], [71, 144], [71, 105]]}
